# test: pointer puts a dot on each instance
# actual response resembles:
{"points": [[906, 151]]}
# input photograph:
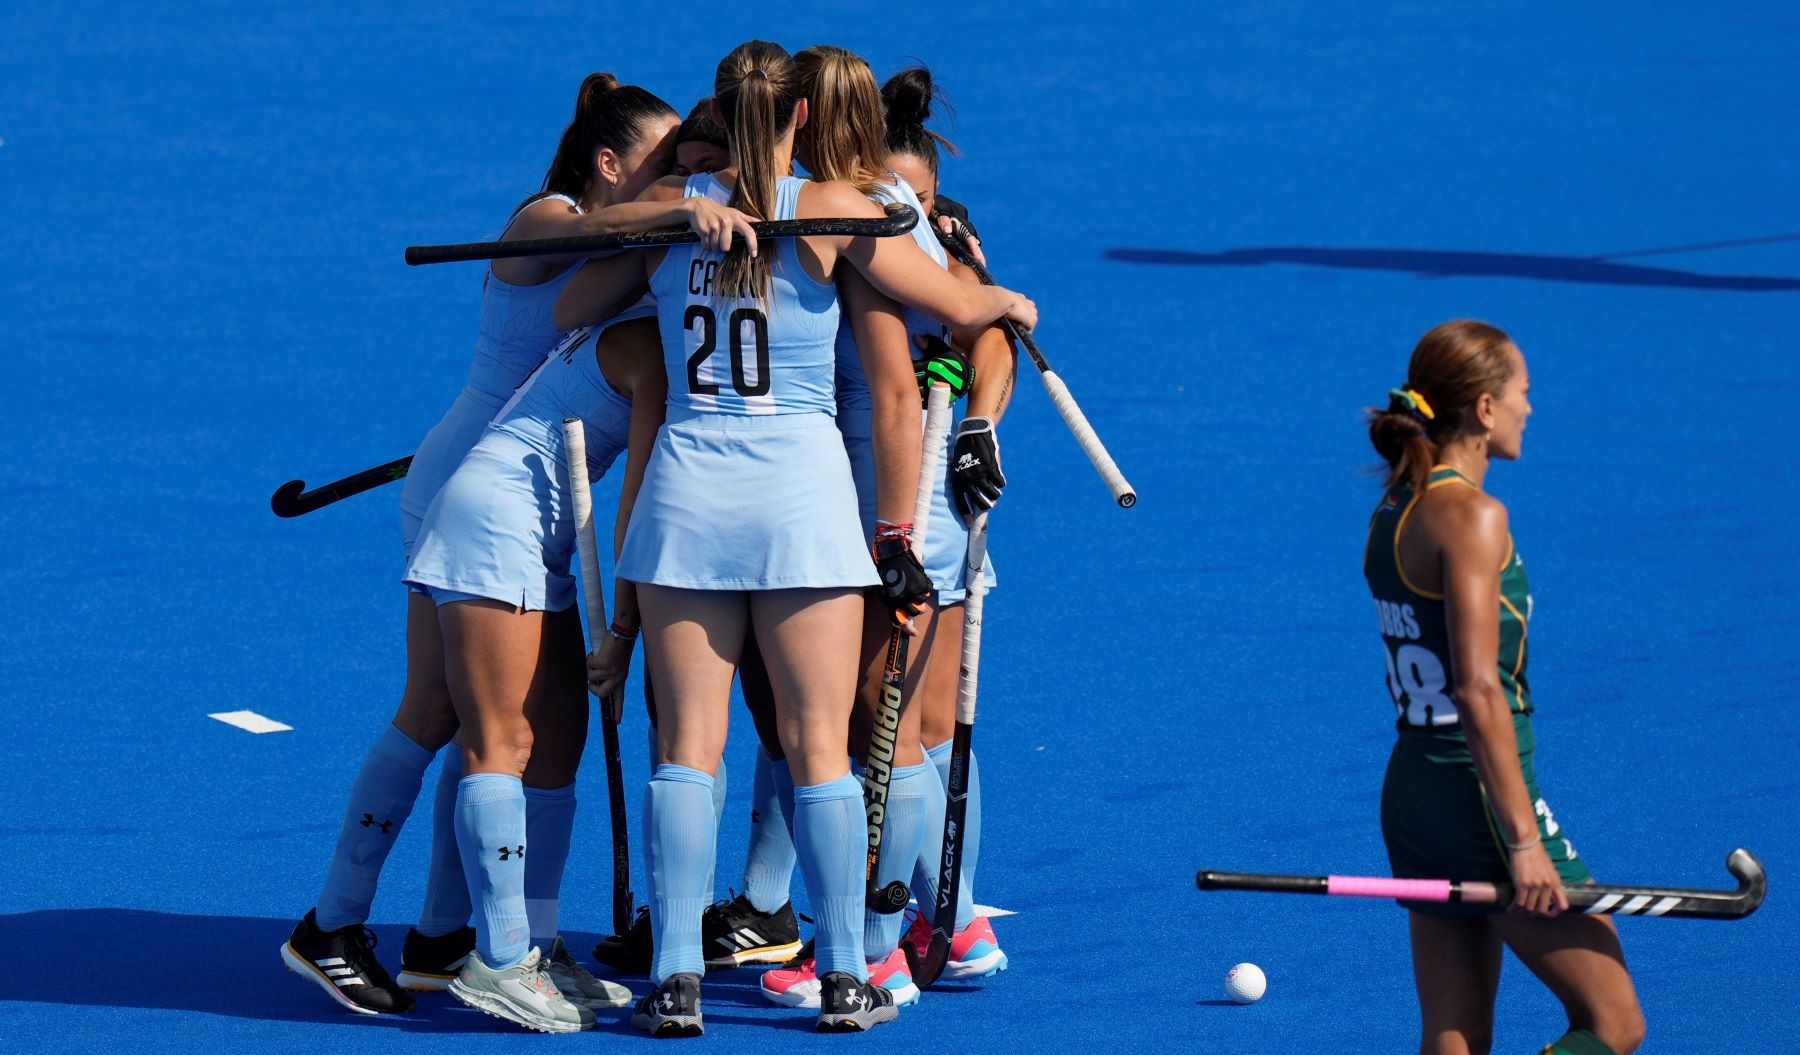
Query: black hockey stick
{"points": [[899, 220], [927, 967], [1598, 900], [884, 738], [292, 499], [1115, 481], [581, 504]]}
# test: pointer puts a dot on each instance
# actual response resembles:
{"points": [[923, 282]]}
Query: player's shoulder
{"points": [[1466, 516], [835, 198]]}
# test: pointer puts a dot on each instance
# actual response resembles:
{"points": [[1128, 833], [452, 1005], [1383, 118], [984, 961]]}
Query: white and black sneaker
{"points": [[849, 1006], [734, 933], [342, 962], [428, 963], [672, 1009], [628, 953]]}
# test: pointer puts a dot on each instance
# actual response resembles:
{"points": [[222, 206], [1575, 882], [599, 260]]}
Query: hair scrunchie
{"points": [[1412, 403]]}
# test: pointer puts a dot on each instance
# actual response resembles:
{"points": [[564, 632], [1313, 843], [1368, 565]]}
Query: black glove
{"points": [[975, 476], [904, 585], [956, 211], [944, 362]]}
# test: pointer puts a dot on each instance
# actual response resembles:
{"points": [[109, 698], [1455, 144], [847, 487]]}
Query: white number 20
{"points": [[1417, 682]]}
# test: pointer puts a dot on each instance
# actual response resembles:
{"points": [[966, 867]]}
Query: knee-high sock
{"points": [[900, 843], [447, 904], [490, 832], [381, 799], [549, 825], [681, 840], [1579, 1042], [769, 865], [931, 859], [831, 840], [971, 854]]}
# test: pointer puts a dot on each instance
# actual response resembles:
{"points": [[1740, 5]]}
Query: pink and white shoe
{"points": [[796, 986], [974, 951], [894, 975]]}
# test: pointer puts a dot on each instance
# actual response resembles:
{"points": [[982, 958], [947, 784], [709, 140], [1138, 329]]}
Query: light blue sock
{"points": [[681, 839], [831, 840], [718, 805], [446, 905], [904, 831], [490, 831], [769, 866], [549, 825], [971, 854], [380, 801], [931, 859]]}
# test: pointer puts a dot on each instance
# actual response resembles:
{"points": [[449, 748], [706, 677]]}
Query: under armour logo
{"points": [[666, 1003], [369, 821], [857, 1001], [755, 816], [507, 853]]}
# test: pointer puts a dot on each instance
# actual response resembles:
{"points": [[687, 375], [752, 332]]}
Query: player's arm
{"points": [[601, 289], [610, 662], [880, 331], [1475, 544], [663, 204]]}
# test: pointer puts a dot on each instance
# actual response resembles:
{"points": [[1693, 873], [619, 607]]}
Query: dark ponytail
{"points": [[757, 91], [907, 98], [607, 115], [1453, 365]]}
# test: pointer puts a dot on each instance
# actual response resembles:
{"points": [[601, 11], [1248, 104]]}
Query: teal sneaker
{"points": [[523, 993]]}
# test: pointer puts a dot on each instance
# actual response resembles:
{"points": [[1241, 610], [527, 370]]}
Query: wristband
{"points": [[1527, 844], [887, 529], [623, 634]]}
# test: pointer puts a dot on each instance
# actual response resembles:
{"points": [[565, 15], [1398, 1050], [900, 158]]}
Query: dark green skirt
{"points": [[1438, 824]]}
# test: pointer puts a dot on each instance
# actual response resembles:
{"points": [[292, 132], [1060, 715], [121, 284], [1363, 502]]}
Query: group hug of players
{"points": [[767, 400]]}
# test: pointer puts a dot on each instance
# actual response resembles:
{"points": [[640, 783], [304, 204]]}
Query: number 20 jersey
{"points": [[731, 355], [1414, 634]]}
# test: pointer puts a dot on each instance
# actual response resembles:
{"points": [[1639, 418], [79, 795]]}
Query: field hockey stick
{"points": [[927, 968], [884, 739], [292, 499], [582, 503], [900, 219], [1084, 433], [1598, 900]]}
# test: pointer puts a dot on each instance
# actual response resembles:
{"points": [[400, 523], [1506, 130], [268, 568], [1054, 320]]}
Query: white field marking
{"points": [[981, 910], [251, 722]]}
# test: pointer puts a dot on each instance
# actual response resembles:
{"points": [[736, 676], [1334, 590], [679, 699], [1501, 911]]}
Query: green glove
{"points": [[942, 362]]}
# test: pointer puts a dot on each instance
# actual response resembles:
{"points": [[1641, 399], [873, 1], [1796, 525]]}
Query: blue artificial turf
{"points": [[1236, 219]]}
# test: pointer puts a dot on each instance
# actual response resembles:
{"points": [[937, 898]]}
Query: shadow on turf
{"points": [[1448, 263]]}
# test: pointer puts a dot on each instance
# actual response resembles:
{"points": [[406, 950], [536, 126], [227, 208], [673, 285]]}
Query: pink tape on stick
{"points": [[1399, 889]]}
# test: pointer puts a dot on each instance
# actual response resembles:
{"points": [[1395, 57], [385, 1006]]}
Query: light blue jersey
{"points": [[748, 486], [730, 355], [517, 331], [854, 406]]}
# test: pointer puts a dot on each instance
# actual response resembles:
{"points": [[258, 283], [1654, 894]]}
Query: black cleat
{"points": [[628, 953], [672, 1009], [427, 964], [342, 962], [734, 933], [849, 1006]]}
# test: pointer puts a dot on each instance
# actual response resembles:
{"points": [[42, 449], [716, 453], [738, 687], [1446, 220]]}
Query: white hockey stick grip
{"points": [[976, 569], [1090, 443], [581, 502], [937, 420]]}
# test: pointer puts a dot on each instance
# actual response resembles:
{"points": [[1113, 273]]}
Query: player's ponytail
{"points": [[907, 97], [608, 115], [756, 90], [1453, 365], [845, 131]]}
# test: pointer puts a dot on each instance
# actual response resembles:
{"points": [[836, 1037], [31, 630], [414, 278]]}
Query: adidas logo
{"points": [[334, 968], [745, 939]]}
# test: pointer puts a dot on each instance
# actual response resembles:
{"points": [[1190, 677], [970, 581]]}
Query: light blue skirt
{"points": [[439, 453], [946, 537], [736, 502]]}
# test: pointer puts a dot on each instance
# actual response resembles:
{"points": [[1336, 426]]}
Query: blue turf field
{"points": [[1236, 218]]}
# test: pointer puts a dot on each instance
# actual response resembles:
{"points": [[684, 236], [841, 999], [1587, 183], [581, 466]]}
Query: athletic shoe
{"points": [[630, 952], [974, 951], [342, 962], [734, 933], [522, 993], [427, 964], [672, 1009], [850, 1006], [577, 985], [792, 984], [894, 975]]}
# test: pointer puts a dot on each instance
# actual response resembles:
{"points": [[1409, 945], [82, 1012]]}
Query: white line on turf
{"points": [[989, 910], [251, 722]]}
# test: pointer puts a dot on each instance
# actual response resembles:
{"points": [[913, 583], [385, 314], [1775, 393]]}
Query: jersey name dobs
{"points": [[1416, 676], [747, 339]]}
